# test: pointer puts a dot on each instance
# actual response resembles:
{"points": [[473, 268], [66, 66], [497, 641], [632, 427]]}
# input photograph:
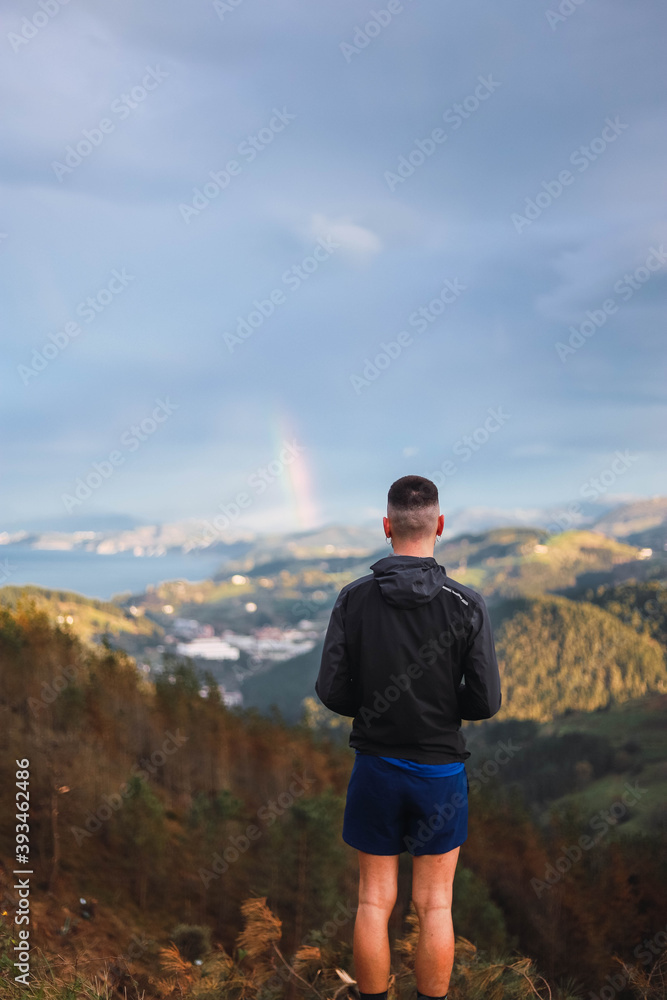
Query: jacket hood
{"points": [[408, 581]]}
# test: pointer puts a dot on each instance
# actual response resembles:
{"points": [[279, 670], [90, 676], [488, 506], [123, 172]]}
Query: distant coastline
{"points": [[101, 576]]}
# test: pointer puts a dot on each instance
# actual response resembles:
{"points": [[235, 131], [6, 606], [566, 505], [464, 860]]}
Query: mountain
{"points": [[110, 533], [642, 523], [463, 520], [139, 539], [512, 562], [339, 541]]}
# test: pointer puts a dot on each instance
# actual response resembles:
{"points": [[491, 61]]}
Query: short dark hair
{"points": [[413, 506]]}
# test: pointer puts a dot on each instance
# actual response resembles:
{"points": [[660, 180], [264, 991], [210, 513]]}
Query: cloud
{"points": [[357, 241]]}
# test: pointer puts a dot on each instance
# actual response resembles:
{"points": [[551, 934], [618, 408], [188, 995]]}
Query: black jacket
{"points": [[400, 642]]}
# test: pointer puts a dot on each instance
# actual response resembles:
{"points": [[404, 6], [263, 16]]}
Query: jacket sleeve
{"points": [[480, 697], [335, 684]]}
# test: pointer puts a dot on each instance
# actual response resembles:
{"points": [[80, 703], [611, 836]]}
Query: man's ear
{"points": [[441, 525], [386, 524]]}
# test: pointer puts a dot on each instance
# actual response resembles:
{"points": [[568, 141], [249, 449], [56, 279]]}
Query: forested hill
{"points": [[557, 655]]}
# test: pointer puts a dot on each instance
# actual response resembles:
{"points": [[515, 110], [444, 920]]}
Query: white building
{"points": [[208, 648], [278, 646]]}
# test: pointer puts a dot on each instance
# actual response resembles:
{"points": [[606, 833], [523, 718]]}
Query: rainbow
{"points": [[297, 479]]}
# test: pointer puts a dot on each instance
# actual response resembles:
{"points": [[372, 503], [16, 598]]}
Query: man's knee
{"points": [[433, 882], [427, 904], [378, 898], [430, 896]]}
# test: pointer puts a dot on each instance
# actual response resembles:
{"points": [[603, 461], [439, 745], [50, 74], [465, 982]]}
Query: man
{"points": [[409, 653]]}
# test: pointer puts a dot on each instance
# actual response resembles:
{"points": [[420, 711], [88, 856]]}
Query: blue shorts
{"points": [[389, 809]]}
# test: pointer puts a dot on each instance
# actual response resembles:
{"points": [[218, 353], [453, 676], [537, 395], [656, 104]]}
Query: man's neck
{"points": [[421, 552]]}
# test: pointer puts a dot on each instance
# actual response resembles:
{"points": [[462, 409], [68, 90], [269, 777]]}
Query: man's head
{"points": [[413, 518]]}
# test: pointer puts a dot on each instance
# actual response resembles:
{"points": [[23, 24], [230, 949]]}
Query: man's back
{"points": [[399, 643]]}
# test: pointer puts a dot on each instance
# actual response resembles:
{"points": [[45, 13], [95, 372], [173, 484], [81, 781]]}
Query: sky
{"points": [[263, 257]]}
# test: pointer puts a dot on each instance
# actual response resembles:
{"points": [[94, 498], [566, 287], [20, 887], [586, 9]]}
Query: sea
{"points": [[101, 576]]}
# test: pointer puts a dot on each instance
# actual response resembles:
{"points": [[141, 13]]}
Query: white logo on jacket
{"points": [[460, 596]]}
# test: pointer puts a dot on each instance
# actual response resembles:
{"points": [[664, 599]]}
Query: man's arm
{"points": [[335, 684], [480, 697]]}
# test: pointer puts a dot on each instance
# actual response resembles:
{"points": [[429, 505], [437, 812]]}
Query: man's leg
{"points": [[432, 880], [378, 888]]}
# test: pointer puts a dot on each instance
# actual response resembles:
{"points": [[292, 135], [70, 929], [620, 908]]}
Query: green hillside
{"points": [[511, 562], [85, 617], [582, 762], [558, 655]]}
